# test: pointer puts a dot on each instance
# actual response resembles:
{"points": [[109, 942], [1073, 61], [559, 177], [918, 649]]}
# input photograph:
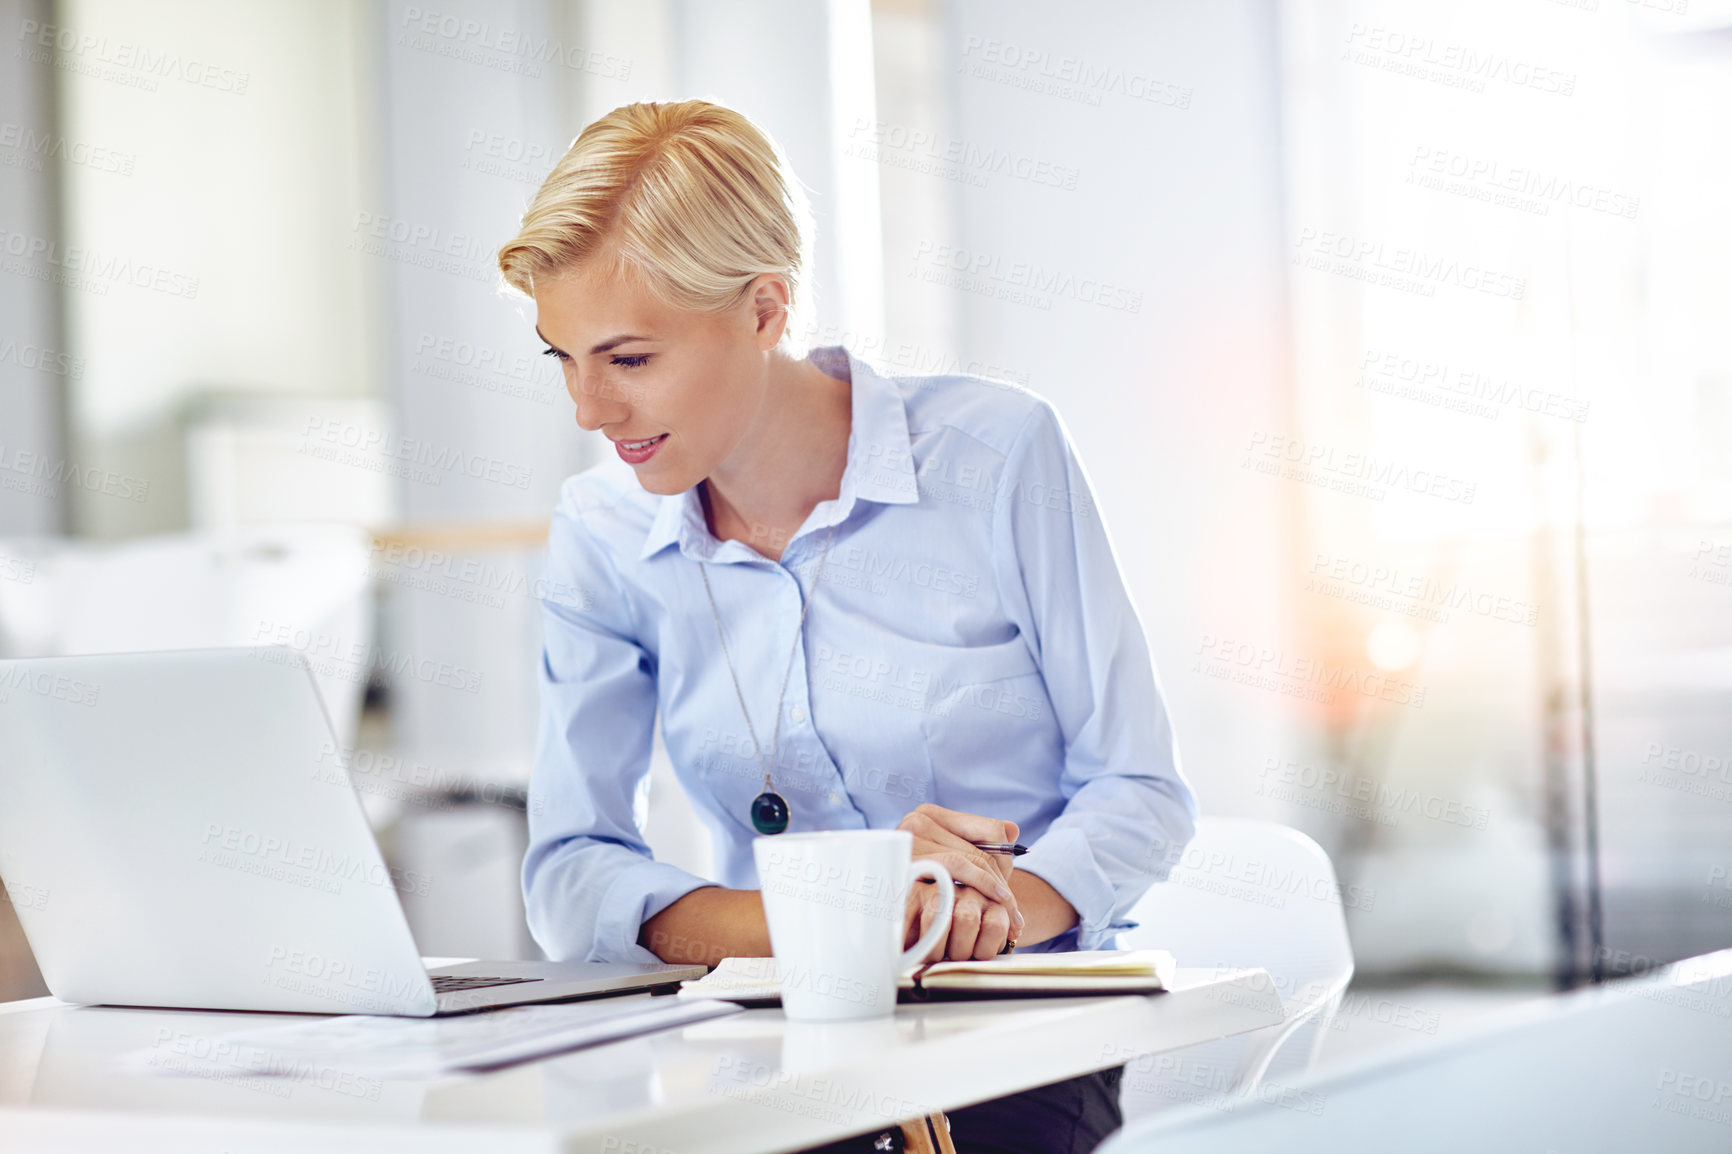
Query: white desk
{"points": [[753, 1082], [1637, 1065]]}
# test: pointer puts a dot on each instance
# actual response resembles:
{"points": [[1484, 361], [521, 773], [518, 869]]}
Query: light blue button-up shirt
{"points": [[971, 643]]}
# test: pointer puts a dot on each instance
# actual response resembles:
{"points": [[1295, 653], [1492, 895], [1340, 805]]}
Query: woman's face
{"points": [[674, 391]]}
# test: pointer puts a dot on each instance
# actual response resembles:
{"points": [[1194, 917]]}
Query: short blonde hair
{"points": [[692, 198]]}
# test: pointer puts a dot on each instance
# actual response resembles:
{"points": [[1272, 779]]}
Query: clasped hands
{"points": [[986, 911]]}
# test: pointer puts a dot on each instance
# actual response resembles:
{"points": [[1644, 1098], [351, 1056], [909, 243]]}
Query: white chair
{"points": [[1244, 894]]}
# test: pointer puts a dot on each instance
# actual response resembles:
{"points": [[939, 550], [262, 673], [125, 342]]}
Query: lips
{"points": [[639, 451]]}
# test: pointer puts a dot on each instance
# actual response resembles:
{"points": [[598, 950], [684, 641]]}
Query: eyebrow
{"points": [[611, 342]]}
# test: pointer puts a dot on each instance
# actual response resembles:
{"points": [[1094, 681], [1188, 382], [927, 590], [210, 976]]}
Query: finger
{"points": [[965, 925], [994, 932], [929, 831], [968, 826], [1013, 919], [1013, 914], [932, 835], [929, 915], [932, 832], [970, 870], [1007, 862]]}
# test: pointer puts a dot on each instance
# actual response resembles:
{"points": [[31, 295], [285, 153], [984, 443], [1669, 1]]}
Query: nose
{"points": [[597, 402]]}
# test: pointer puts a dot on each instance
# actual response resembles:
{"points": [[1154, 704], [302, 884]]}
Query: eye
{"points": [[632, 362], [553, 352]]}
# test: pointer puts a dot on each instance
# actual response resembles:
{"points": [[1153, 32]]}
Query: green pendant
{"points": [[769, 813]]}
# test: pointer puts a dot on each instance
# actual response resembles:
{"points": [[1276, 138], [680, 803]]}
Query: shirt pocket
{"points": [[992, 742]]}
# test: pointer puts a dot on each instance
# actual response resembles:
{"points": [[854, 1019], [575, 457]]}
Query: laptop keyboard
{"points": [[451, 983]]}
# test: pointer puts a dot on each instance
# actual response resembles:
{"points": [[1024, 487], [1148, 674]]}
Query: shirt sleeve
{"points": [[1128, 809], [589, 879]]}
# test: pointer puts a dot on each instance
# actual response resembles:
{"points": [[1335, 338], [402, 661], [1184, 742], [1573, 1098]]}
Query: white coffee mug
{"points": [[836, 904]]}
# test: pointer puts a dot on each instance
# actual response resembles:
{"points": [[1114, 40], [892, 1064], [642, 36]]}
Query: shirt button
{"points": [[835, 798], [798, 713]]}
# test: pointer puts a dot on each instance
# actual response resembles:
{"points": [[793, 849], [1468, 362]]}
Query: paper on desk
{"points": [[747, 979], [384, 1047]]}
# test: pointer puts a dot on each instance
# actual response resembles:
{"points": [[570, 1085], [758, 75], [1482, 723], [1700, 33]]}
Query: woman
{"points": [[856, 601]]}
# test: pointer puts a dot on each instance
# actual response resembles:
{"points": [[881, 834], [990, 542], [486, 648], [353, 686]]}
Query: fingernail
{"points": [[1003, 893]]}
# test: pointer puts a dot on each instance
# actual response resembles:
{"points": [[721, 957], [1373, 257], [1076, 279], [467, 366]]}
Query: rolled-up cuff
{"points": [[636, 895], [1062, 860]]}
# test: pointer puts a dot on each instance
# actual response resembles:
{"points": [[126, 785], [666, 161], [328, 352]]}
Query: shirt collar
{"points": [[880, 467]]}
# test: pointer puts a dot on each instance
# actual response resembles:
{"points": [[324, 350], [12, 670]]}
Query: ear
{"points": [[769, 296]]}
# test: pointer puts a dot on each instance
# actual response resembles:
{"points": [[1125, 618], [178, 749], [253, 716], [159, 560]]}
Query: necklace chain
{"points": [[776, 734]]}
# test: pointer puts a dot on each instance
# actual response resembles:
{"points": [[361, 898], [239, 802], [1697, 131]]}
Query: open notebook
{"points": [[1082, 972]]}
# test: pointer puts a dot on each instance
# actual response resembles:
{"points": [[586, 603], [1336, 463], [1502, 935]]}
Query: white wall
{"points": [[36, 366], [1175, 198], [250, 158]]}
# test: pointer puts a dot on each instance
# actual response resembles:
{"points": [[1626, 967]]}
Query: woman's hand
{"points": [[986, 909], [978, 929]]}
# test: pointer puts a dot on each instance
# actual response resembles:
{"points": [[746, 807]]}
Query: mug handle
{"points": [[940, 926]]}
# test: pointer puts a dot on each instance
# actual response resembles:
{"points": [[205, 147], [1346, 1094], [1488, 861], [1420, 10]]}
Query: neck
{"points": [[791, 458]]}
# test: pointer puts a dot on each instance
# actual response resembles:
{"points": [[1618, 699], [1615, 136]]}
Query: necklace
{"points": [[769, 809]]}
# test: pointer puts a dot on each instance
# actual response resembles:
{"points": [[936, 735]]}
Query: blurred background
{"points": [[1394, 337]]}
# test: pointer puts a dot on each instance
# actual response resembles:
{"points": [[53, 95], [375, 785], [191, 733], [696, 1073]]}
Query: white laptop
{"points": [[173, 833]]}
